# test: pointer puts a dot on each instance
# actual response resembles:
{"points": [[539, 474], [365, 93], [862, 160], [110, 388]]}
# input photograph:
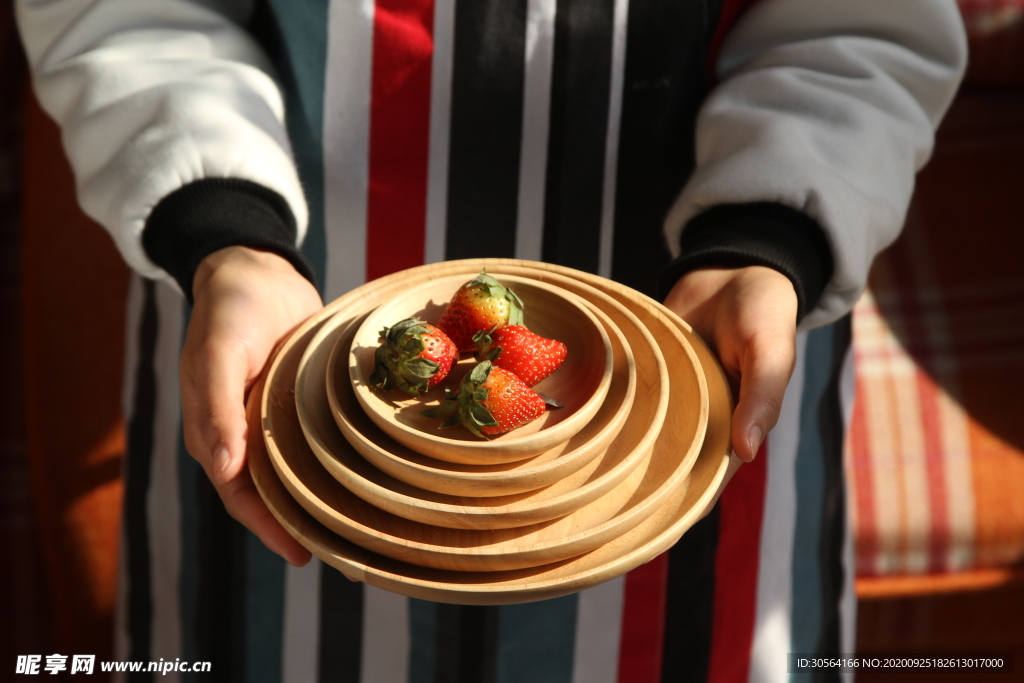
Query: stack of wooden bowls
{"points": [[638, 452]]}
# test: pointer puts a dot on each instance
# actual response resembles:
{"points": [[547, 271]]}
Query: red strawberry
{"points": [[515, 348], [489, 402], [481, 304], [413, 356]]}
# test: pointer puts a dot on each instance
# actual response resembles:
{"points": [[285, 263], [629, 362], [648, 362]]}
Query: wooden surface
{"points": [[580, 384], [640, 543], [532, 474]]}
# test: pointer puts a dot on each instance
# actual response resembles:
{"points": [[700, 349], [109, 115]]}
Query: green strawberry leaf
{"points": [[478, 375], [443, 409], [450, 421], [481, 416], [420, 368], [550, 402]]}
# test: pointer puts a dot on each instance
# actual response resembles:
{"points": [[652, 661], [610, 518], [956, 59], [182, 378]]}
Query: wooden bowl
{"points": [[458, 549], [618, 452], [539, 474], [632, 548], [580, 384]]}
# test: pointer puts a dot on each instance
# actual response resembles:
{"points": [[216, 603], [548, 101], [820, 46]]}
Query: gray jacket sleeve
{"points": [[828, 107]]}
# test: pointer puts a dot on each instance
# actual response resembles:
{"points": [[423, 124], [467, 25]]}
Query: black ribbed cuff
{"points": [[758, 234], [207, 215]]}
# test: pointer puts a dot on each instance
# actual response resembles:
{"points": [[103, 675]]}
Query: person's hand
{"points": [[748, 317], [245, 301]]}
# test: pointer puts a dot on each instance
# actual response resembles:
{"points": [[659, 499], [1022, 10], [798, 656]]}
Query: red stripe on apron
{"points": [[643, 622], [727, 18], [861, 455], [399, 135], [935, 464], [914, 308], [741, 509]]}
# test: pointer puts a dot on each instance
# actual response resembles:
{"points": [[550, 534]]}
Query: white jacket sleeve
{"points": [[828, 107], [151, 95]]}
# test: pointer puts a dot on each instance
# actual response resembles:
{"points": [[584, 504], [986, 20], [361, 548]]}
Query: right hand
{"points": [[246, 300], [748, 317]]}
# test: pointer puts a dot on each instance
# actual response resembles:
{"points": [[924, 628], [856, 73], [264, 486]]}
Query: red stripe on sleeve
{"points": [[741, 509], [643, 622], [399, 135]]}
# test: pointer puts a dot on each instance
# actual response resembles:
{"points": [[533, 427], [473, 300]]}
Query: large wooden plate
{"points": [[632, 548]]}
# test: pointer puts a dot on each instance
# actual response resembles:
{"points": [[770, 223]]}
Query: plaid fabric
{"points": [[936, 448]]}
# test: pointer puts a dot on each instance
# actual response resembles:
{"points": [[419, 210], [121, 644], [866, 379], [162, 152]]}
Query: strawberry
{"points": [[490, 401], [515, 348], [413, 356], [481, 304]]}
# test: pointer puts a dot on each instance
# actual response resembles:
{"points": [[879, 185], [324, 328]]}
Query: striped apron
{"points": [[428, 130]]}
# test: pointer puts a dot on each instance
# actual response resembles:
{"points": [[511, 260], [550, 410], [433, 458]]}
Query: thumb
{"points": [[766, 366], [212, 388], [213, 392]]}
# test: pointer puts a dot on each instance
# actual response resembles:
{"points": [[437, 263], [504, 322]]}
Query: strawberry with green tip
{"points": [[413, 356], [513, 347], [490, 401], [483, 303]]}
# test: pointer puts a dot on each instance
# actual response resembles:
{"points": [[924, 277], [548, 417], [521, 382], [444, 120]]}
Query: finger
{"points": [[213, 387], [766, 366], [244, 503]]}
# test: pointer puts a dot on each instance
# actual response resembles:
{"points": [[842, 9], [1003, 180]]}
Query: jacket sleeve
{"points": [[825, 110], [156, 96]]}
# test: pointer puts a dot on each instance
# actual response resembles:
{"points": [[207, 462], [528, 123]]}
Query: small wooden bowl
{"points": [[618, 452], [580, 384], [538, 474]]}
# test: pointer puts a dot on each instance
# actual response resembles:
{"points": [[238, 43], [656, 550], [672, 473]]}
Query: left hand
{"points": [[748, 317]]}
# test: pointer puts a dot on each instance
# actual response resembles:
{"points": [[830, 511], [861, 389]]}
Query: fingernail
{"points": [[221, 460], [754, 438]]}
